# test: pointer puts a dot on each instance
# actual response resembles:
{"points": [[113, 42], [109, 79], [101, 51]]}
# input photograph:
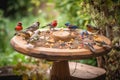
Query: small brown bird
{"points": [[91, 28], [34, 37], [33, 27]]}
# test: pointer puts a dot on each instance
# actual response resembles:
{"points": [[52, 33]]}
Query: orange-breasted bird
{"points": [[18, 27], [91, 28], [51, 25]]}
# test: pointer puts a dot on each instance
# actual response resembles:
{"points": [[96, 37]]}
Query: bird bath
{"points": [[60, 46]]}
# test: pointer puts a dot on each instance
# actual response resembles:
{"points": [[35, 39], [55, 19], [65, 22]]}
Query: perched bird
{"points": [[24, 34], [103, 44], [34, 37], [91, 28], [71, 27], [90, 46], [18, 27], [84, 33], [51, 25], [33, 27]]}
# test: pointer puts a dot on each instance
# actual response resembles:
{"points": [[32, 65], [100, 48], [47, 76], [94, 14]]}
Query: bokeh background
{"points": [[30, 11], [104, 14]]}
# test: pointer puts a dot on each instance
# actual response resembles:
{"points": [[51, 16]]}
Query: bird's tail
{"points": [[43, 26]]}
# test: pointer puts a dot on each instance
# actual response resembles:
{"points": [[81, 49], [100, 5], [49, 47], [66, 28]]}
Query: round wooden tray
{"points": [[21, 46]]}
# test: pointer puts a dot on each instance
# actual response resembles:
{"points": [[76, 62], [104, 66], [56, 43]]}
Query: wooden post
{"points": [[60, 71]]}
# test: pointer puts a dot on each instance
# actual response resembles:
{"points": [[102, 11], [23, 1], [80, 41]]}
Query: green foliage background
{"points": [[104, 14], [29, 11]]}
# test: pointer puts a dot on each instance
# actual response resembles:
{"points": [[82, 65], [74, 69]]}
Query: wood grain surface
{"points": [[54, 54]]}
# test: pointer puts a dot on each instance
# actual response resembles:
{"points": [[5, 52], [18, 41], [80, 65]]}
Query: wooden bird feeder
{"points": [[60, 57]]}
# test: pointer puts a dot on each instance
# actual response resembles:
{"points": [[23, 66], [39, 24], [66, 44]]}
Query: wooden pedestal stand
{"points": [[60, 71]]}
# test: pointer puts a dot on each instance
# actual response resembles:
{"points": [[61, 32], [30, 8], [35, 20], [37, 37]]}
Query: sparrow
{"points": [[51, 25], [91, 28], [34, 37], [33, 27], [18, 27], [71, 27]]}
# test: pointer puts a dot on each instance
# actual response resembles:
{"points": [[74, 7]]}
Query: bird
{"points": [[34, 37], [33, 27], [84, 33], [71, 27], [20, 32], [103, 44], [18, 27], [51, 25], [91, 28], [24, 34], [90, 46]]}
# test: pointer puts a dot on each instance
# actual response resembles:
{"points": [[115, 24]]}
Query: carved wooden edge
{"points": [[20, 45]]}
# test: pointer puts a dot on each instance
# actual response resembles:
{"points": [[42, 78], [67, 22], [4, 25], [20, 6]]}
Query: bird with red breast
{"points": [[52, 25], [18, 27]]}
